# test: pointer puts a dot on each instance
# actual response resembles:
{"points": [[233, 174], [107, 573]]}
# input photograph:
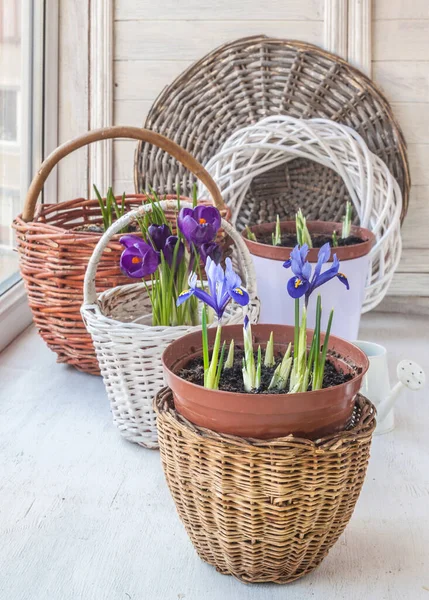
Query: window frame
{"points": [[38, 130]]}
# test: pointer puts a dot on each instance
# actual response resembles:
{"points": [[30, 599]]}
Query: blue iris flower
{"points": [[303, 283], [223, 287]]}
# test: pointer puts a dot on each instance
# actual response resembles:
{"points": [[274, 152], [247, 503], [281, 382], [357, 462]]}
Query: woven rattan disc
{"points": [[263, 510], [240, 83]]}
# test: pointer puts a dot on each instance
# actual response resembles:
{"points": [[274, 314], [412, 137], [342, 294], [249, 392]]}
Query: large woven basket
{"points": [[54, 257], [129, 348], [241, 82], [263, 511]]}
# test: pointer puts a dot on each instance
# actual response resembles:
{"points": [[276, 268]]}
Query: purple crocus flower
{"points": [[168, 250], [199, 225], [138, 259], [223, 287], [159, 235], [303, 283], [211, 250], [163, 241]]}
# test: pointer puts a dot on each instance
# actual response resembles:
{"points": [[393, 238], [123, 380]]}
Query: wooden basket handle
{"points": [[106, 133], [89, 291]]}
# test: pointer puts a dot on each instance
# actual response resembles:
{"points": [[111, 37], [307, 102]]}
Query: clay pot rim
{"points": [[282, 253], [269, 397]]}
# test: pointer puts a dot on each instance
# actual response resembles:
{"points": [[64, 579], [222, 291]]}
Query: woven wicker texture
{"points": [[129, 349], [263, 511], [240, 83], [53, 257], [375, 194]]}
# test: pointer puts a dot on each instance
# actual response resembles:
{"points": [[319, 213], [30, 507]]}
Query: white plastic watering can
{"points": [[376, 385]]}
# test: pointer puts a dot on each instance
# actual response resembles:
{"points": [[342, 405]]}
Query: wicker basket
{"points": [[53, 257], [372, 188], [241, 82], [263, 511], [129, 349]]}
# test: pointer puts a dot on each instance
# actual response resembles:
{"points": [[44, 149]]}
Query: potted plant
{"points": [[277, 380], [271, 244]]}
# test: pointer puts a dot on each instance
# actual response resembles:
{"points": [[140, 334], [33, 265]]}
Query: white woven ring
{"points": [[375, 193], [129, 352]]}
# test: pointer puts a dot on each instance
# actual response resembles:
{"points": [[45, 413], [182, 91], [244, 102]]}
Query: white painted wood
{"points": [[410, 284], [416, 305], [401, 9], [187, 40], [131, 112], [335, 27], [124, 160], [414, 120], [87, 515], [401, 69], [359, 34], [124, 185], [414, 230], [401, 40], [73, 84], [143, 79], [403, 81], [194, 10], [414, 260], [418, 155], [50, 108], [15, 314], [101, 91]]}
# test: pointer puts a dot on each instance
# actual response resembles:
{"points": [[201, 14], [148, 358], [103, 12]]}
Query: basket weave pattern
{"points": [[263, 511], [129, 348], [373, 190], [244, 81], [53, 257], [53, 261]]}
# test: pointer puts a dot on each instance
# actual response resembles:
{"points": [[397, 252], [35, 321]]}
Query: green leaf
{"points": [[269, 352], [205, 339], [212, 370], [220, 366], [194, 195], [250, 235], [229, 363]]}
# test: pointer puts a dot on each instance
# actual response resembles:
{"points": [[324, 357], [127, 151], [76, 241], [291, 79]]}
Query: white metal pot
{"points": [[276, 304]]}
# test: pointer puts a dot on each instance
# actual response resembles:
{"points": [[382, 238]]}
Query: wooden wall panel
{"points": [[73, 79], [401, 69]]}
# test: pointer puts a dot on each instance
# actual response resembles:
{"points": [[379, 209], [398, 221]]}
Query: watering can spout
{"points": [[410, 375]]}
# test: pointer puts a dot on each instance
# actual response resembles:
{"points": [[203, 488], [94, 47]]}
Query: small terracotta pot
{"points": [[271, 278], [265, 416]]}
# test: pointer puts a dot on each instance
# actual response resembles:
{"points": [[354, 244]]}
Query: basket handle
{"points": [[89, 291], [106, 133]]}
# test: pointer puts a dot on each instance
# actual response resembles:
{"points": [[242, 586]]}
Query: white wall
{"points": [[400, 54]]}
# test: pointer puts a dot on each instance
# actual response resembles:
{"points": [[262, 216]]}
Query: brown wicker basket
{"points": [[54, 257], [241, 82], [263, 511]]}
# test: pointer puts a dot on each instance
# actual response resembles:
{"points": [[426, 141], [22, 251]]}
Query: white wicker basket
{"points": [[129, 349], [276, 140]]}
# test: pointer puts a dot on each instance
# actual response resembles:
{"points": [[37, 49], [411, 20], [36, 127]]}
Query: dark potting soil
{"points": [[232, 379], [289, 240]]}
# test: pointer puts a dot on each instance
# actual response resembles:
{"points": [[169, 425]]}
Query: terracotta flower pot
{"points": [[264, 416], [278, 307]]}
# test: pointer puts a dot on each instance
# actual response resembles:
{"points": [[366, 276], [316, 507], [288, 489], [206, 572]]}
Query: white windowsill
{"points": [[15, 314]]}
